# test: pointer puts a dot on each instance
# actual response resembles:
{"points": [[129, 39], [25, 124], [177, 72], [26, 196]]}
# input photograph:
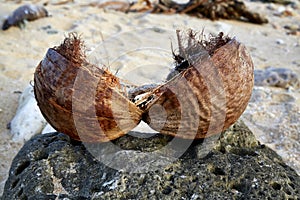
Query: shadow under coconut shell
{"points": [[159, 149], [158, 141]]}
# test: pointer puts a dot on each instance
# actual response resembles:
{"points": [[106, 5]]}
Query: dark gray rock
{"points": [[277, 77], [52, 166]]}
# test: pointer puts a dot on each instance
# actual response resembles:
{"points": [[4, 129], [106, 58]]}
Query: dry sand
{"points": [[269, 45]]}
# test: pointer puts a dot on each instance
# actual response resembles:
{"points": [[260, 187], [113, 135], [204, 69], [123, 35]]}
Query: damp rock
{"points": [[237, 166], [277, 77]]}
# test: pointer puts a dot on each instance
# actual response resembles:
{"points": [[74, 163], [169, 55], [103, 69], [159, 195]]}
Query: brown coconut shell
{"points": [[80, 99], [209, 93]]}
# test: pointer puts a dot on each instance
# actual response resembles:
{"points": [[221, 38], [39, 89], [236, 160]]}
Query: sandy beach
{"points": [[110, 36]]}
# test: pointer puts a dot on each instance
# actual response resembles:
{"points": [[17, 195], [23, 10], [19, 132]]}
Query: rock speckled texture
{"points": [[277, 77], [52, 166]]}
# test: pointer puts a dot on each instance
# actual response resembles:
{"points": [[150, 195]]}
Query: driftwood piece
{"points": [[283, 2], [225, 9], [211, 9]]}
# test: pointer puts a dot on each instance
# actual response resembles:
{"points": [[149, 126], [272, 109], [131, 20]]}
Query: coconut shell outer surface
{"points": [[88, 104], [82, 100], [206, 98]]}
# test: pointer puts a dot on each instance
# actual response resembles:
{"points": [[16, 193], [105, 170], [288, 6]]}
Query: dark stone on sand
{"points": [[277, 77], [52, 166], [27, 12]]}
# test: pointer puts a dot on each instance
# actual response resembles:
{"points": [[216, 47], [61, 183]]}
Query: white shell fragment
{"points": [[28, 120], [48, 129]]}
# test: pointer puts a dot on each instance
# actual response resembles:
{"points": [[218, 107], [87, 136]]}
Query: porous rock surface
{"points": [[51, 166], [278, 77]]}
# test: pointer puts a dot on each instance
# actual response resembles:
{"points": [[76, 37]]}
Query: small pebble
{"points": [[279, 41], [292, 27], [281, 9], [46, 27], [52, 32], [158, 30]]}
